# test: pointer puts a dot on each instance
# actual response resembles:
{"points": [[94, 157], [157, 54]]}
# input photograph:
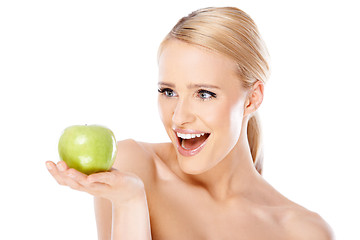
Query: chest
{"points": [[179, 212]]}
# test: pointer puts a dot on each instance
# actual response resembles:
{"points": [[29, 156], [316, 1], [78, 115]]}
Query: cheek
{"points": [[236, 113], [236, 119], [165, 109], [226, 118], [220, 115]]}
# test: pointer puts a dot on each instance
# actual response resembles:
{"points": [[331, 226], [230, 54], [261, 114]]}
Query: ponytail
{"points": [[255, 141]]}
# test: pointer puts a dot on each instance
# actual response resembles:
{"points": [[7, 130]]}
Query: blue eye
{"points": [[205, 95], [167, 92]]}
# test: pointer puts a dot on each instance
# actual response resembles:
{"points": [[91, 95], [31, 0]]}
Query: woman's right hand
{"points": [[116, 186]]}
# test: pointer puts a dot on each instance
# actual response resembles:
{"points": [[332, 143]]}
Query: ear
{"points": [[254, 98]]}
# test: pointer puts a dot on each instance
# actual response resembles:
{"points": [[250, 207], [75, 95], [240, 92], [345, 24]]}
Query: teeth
{"points": [[189, 136]]}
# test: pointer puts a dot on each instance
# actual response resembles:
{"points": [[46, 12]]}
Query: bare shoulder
{"points": [[301, 224], [146, 160], [135, 157]]}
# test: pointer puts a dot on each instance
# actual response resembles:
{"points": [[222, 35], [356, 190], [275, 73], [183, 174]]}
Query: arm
{"points": [[131, 221], [122, 221], [115, 188], [103, 215], [121, 207]]}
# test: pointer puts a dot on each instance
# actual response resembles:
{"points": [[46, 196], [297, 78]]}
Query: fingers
{"points": [[77, 176], [66, 176], [55, 171], [62, 166], [113, 185], [72, 178], [102, 177]]}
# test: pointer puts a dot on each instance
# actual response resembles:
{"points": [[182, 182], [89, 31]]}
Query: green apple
{"points": [[88, 148]]}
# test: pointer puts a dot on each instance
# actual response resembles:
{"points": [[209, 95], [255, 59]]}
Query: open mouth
{"points": [[191, 144]]}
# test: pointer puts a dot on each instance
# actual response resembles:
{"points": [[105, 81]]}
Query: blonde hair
{"points": [[231, 32]]}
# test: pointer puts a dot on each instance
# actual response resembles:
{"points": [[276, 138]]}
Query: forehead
{"points": [[180, 62]]}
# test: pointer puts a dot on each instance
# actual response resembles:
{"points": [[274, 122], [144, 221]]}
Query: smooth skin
{"points": [[216, 194]]}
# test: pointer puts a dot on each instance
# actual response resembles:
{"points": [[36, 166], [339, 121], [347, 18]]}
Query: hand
{"points": [[116, 186]]}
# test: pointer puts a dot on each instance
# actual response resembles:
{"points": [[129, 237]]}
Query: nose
{"points": [[183, 113]]}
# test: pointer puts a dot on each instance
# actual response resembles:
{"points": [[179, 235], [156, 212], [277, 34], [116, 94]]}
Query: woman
{"points": [[206, 183]]}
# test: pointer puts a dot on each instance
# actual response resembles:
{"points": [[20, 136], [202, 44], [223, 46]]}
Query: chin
{"points": [[193, 166]]}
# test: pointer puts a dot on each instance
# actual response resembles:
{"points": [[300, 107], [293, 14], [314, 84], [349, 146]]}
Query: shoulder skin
{"points": [[133, 157], [307, 225]]}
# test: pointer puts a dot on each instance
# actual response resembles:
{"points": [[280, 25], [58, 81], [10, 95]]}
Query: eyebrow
{"points": [[190, 86]]}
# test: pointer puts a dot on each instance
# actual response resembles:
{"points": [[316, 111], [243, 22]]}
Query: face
{"points": [[201, 104]]}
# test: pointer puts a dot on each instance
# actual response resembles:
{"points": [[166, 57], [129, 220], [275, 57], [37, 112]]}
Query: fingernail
{"points": [[61, 167], [48, 165]]}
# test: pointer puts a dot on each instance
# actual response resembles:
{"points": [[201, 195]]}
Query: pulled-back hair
{"points": [[231, 32]]}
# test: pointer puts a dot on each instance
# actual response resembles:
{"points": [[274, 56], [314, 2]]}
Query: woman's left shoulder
{"points": [[301, 224]]}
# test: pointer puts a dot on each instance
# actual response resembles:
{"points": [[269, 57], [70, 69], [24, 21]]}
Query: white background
{"points": [[75, 62]]}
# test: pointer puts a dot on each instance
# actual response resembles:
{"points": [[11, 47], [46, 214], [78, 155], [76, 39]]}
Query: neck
{"points": [[233, 175]]}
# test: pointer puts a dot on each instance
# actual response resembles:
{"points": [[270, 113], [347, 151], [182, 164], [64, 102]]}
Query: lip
{"points": [[190, 152]]}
